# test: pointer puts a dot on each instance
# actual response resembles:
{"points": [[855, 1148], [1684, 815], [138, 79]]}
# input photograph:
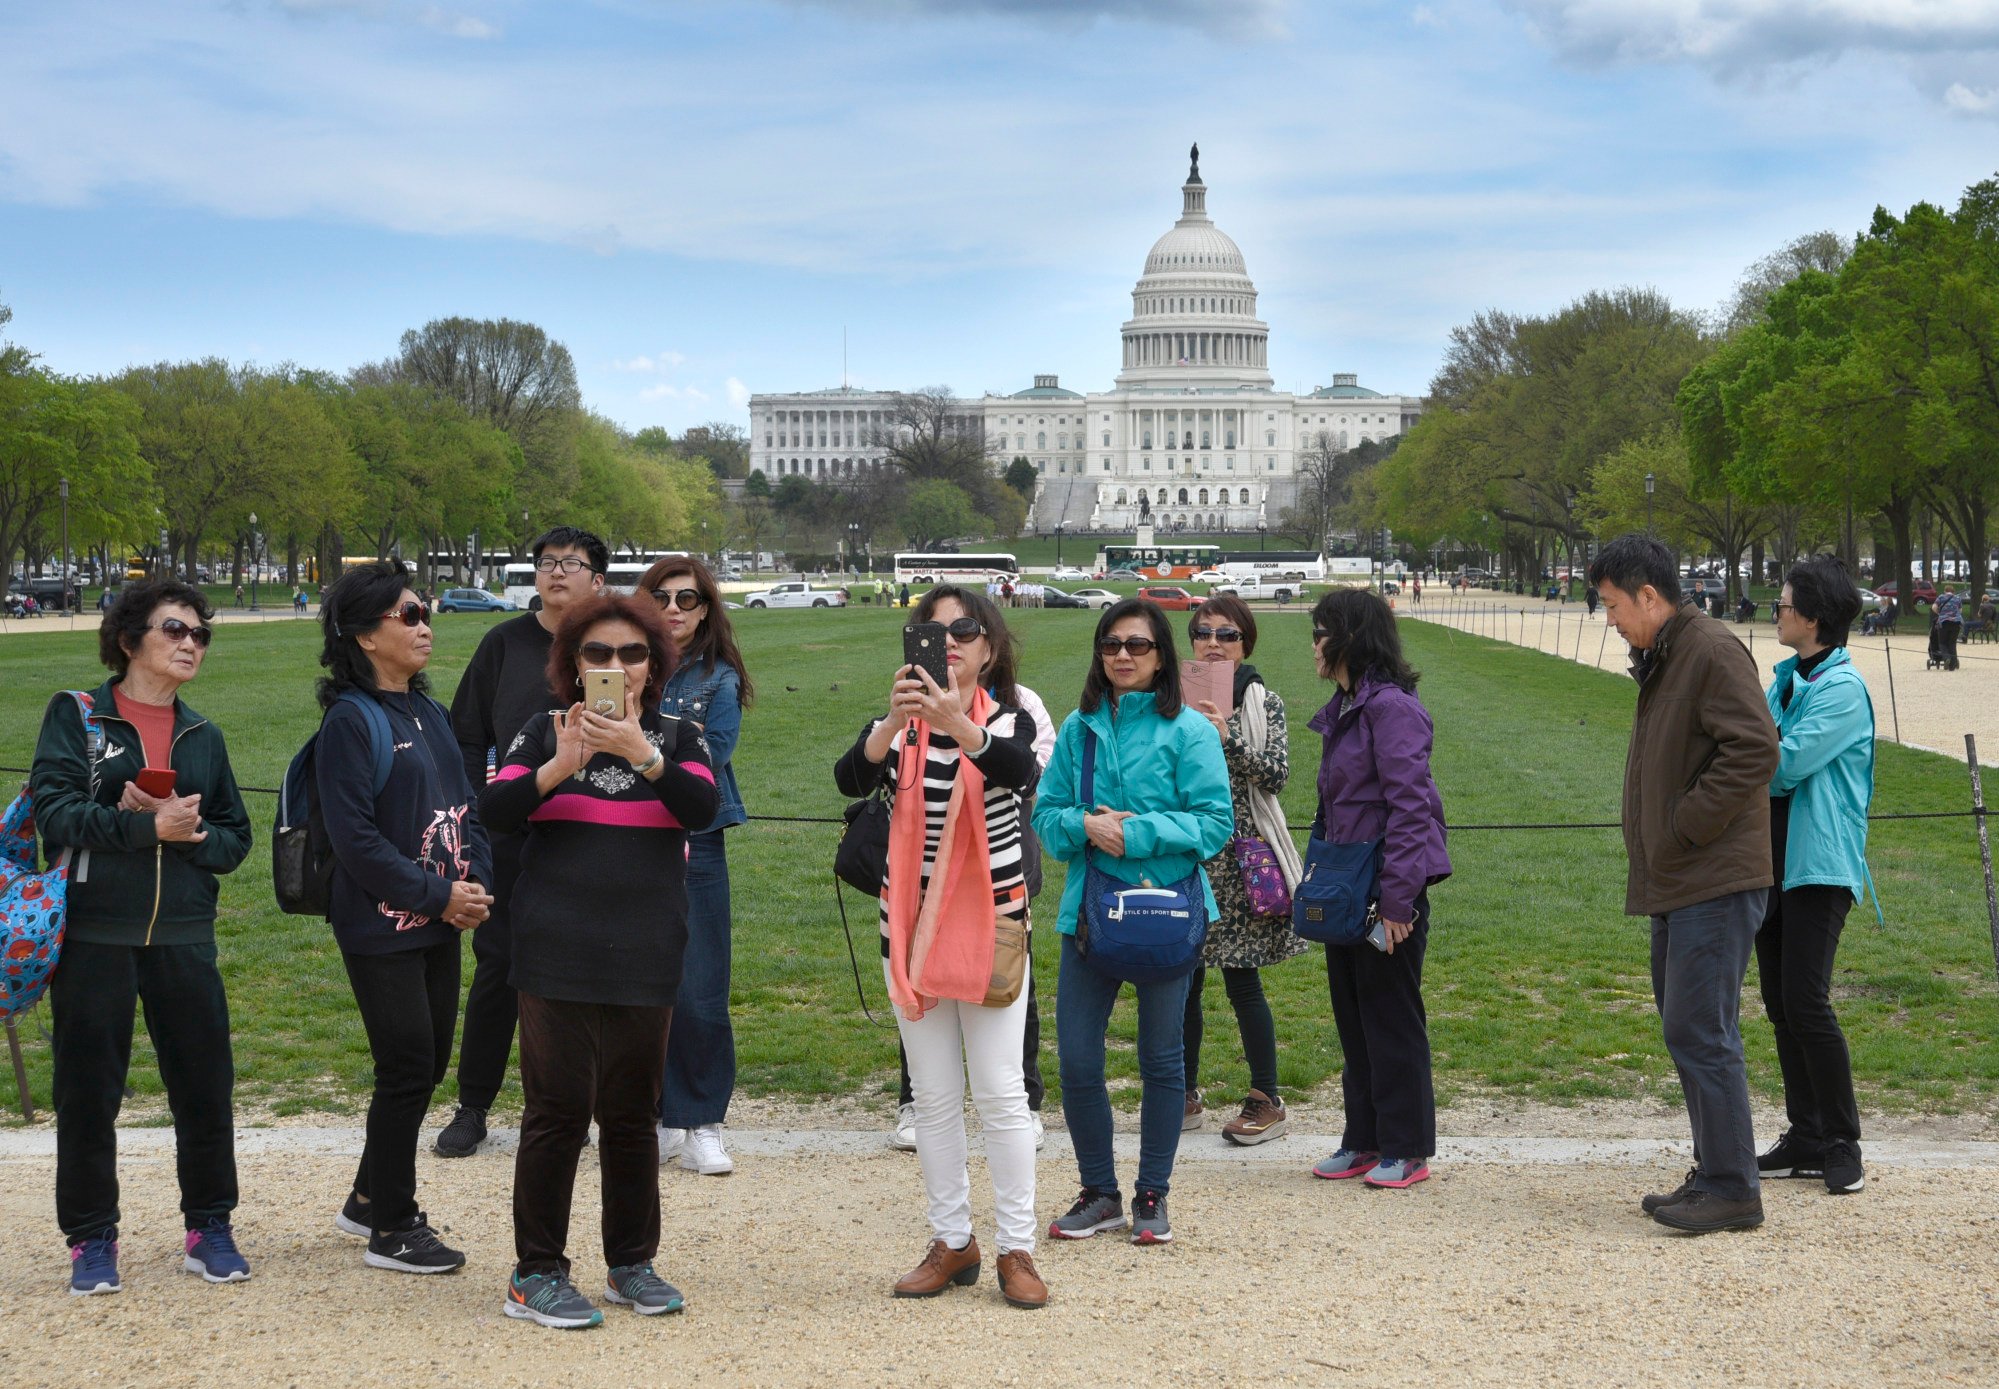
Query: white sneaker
{"points": [[902, 1137], [703, 1152], [671, 1141], [1040, 1129]]}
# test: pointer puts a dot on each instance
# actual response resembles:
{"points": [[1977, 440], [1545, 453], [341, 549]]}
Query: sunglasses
{"points": [[412, 614], [1214, 634], [632, 653], [965, 629], [567, 564], [176, 631], [1137, 646], [1321, 633], [685, 599]]}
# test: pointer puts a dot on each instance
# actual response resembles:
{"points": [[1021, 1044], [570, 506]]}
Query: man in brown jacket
{"points": [[1697, 834]]}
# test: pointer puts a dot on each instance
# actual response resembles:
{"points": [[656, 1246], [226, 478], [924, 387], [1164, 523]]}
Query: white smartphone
{"points": [[1377, 934]]}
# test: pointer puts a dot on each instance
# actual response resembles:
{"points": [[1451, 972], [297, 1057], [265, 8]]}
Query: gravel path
{"points": [[1524, 1260]]}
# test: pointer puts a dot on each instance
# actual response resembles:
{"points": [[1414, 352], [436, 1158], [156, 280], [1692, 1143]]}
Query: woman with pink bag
{"points": [[1253, 874]]}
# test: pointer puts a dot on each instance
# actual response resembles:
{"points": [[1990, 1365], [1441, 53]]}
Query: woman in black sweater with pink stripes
{"points": [[600, 924]]}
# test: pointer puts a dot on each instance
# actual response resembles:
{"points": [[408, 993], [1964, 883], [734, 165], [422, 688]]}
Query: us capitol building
{"points": [[1192, 424]]}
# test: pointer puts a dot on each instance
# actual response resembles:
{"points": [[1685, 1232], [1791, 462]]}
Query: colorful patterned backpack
{"points": [[34, 902]]}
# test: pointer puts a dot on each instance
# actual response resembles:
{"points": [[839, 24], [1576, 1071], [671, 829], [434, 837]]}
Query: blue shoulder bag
{"points": [[1139, 933], [1340, 884]]}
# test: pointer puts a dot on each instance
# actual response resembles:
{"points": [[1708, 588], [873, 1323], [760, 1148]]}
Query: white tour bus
{"points": [[1274, 564], [913, 567], [622, 577]]}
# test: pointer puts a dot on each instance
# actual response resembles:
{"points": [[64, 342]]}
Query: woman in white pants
{"points": [[953, 917]]}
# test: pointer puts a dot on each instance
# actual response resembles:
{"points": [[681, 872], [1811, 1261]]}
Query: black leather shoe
{"points": [[1703, 1212], [1656, 1199]]}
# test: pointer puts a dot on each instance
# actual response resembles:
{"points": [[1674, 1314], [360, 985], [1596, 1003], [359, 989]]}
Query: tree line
{"points": [[473, 428], [1846, 398]]}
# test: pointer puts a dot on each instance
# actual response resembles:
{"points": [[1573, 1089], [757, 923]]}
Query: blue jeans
{"points": [[1700, 954], [1083, 1002], [701, 1044]]}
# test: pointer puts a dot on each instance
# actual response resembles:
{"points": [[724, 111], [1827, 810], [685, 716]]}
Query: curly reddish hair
{"points": [[642, 613]]}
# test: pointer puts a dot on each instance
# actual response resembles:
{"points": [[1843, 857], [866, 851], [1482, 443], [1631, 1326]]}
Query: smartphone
{"points": [[604, 692], [923, 645], [156, 781], [1377, 935]]}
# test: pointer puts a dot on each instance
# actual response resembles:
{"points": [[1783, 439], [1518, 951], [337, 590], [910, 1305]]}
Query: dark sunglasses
{"points": [[685, 599], [412, 614], [1216, 633], [1137, 646], [632, 653], [1321, 633], [965, 629], [176, 631]]}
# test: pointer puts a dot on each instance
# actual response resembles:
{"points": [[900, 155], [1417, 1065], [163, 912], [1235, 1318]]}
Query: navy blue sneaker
{"points": [[93, 1266], [212, 1253]]}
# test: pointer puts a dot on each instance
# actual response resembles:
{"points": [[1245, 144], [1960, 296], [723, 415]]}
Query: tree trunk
{"points": [[1900, 514]]}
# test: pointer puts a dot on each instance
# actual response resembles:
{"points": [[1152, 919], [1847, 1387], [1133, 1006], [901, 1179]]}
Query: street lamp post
{"points": [[1058, 544], [1648, 503], [853, 541], [64, 490], [253, 561], [1259, 537]]}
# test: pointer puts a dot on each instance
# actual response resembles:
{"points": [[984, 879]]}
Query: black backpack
{"points": [[301, 849]]}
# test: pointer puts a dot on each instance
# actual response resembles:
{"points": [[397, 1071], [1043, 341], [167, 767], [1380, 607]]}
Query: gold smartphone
{"points": [[604, 692]]}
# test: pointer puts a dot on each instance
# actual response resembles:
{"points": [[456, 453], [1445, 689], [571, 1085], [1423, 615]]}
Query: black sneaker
{"points": [[1790, 1158], [354, 1218], [463, 1135], [416, 1249], [1843, 1173]]}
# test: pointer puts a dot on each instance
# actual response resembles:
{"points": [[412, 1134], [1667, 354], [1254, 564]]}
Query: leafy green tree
{"points": [[756, 484], [934, 510], [53, 428], [1022, 478]]}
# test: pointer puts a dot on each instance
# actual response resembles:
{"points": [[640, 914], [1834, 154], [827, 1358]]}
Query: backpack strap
{"points": [[1089, 768], [93, 733], [381, 743]]}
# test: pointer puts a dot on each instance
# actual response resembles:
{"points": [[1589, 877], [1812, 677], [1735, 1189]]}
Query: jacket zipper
{"points": [[159, 849]]}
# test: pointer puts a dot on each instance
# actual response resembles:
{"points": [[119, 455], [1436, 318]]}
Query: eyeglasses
{"points": [[176, 631], [685, 599], [412, 614], [632, 653], [965, 629], [1137, 646], [1776, 608], [1321, 633], [1214, 634], [568, 564]]}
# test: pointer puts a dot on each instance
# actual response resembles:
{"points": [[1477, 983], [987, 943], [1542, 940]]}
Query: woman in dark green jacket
{"points": [[141, 926]]}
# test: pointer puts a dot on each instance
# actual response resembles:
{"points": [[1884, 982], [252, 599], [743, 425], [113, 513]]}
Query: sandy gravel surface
{"points": [[1936, 708], [1494, 1272]]}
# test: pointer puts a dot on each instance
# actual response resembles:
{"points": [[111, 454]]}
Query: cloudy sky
{"points": [[703, 197]]}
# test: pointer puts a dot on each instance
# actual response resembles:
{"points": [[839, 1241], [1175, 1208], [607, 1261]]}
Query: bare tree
{"points": [[509, 374], [1823, 250], [1326, 474]]}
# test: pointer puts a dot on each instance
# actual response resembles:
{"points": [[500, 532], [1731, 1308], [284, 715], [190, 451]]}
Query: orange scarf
{"points": [[940, 942]]}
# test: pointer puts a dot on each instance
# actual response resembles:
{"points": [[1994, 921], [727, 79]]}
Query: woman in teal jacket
{"points": [[1818, 831], [1159, 806]]}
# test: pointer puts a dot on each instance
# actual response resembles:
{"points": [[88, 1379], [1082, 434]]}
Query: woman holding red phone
{"points": [[139, 786]]}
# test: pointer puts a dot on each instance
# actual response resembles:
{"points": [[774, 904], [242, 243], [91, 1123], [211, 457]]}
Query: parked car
{"points": [[1870, 601], [474, 600], [1053, 597], [1174, 600], [1095, 597], [1926, 592], [1212, 576], [796, 595], [1125, 576], [1069, 573]]}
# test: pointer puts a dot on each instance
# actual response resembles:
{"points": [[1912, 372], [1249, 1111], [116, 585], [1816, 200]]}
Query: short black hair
{"points": [[352, 605], [575, 538], [1632, 561], [1824, 593], [131, 613], [1165, 685], [1361, 634]]}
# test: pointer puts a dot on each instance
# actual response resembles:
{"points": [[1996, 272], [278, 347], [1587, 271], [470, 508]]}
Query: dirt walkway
{"points": [[1929, 709], [1507, 1268]]}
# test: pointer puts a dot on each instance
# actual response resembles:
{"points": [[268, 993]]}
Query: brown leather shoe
{"points": [[1703, 1212], [1261, 1120], [941, 1267], [1019, 1281], [1655, 1200]]}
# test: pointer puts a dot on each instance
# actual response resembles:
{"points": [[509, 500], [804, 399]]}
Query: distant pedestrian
{"points": [[1696, 820], [1950, 624], [905, 595], [239, 595], [1590, 597]]}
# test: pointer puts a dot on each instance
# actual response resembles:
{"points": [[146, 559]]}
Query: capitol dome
{"points": [[1194, 323]]}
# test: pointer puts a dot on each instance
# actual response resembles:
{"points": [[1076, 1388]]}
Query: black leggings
{"points": [[1253, 1020], [409, 1007]]}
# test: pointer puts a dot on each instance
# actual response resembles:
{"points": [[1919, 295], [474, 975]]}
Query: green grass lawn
{"points": [[1537, 984]]}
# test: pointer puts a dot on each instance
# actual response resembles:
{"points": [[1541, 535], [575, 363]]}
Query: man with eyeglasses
{"points": [[506, 685]]}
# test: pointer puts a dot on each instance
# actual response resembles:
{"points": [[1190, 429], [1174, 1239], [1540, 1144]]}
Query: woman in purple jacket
{"points": [[1375, 784]]}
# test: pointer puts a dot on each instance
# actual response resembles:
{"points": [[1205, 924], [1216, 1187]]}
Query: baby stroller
{"points": [[1936, 658]]}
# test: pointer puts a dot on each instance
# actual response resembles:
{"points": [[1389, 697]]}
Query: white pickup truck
{"points": [[1262, 586], [796, 595]]}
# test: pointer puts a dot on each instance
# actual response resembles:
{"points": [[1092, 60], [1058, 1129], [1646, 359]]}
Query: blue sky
{"points": [[700, 197]]}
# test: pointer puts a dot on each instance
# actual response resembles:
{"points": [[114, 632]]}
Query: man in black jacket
{"points": [[505, 685]]}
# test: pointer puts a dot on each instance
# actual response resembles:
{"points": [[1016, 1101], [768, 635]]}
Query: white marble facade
{"points": [[1192, 423]]}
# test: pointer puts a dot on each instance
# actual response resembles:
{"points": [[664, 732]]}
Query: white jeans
{"points": [[949, 1040]]}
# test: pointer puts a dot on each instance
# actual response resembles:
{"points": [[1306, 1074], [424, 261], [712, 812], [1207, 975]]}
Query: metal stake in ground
{"points": [[1984, 844], [1888, 651]]}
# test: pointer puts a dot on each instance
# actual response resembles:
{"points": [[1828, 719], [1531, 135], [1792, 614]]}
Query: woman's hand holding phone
{"points": [[622, 737]]}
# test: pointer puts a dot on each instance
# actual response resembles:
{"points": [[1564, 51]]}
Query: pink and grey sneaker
{"points": [[1398, 1173], [1347, 1162]]}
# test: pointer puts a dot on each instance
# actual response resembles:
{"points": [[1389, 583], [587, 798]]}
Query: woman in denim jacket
{"points": [[709, 687]]}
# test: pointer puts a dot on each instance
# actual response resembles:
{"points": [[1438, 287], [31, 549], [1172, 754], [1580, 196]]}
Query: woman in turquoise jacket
{"points": [[1818, 831], [1159, 806]]}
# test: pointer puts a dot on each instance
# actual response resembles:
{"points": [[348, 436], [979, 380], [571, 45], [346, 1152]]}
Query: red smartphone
{"points": [[157, 782]]}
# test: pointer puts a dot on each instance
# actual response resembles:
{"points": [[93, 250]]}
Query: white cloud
{"points": [[1972, 103], [1423, 17], [664, 361], [1238, 19], [459, 26], [1743, 37], [739, 394], [666, 390]]}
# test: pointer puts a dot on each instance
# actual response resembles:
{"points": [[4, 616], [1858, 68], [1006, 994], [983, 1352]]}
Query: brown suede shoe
{"points": [[1261, 1120], [1019, 1283], [941, 1267], [1703, 1212], [1652, 1201], [1195, 1113]]}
